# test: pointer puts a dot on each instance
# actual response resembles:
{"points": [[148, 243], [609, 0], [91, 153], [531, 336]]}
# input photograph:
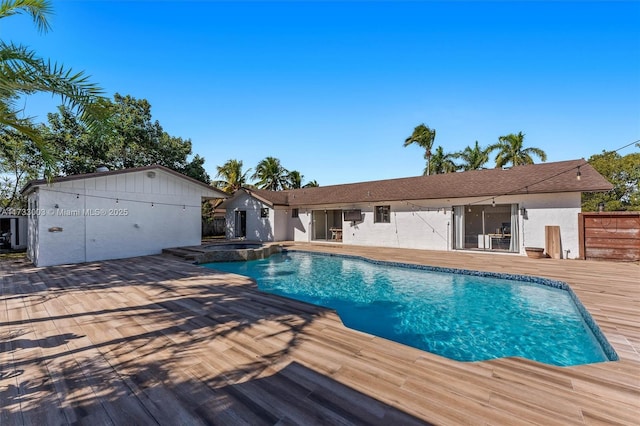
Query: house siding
{"points": [[282, 230], [561, 210], [114, 216], [258, 228], [428, 224]]}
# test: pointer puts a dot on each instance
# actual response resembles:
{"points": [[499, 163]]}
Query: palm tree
{"points": [[473, 158], [423, 136], [270, 174], [294, 180], [22, 73], [311, 184], [510, 150], [232, 176], [441, 163]]}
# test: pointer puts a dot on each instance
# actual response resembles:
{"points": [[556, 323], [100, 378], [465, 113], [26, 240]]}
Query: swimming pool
{"points": [[466, 316]]}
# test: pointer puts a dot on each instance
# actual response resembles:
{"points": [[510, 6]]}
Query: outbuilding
{"points": [[113, 214]]}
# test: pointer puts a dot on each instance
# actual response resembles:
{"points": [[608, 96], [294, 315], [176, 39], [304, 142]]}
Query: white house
{"points": [[113, 214], [497, 210]]}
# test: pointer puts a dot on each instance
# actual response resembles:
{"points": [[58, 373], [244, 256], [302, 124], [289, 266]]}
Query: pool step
{"points": [[183, 252]]}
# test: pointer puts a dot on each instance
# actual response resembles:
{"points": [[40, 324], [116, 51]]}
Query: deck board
{"points": [[158, 340]]}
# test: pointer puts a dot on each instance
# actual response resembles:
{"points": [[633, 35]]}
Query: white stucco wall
{"points": [[552, 210], [115, 216], [301, 226], [408, 228], [282, 230], [428, 224], [258, 228]]}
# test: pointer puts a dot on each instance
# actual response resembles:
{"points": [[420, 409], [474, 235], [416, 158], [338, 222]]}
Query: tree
{"points": [[511, 150], [18, 165], [23, 73], [271, 175], [232, 176], [473, 158], [74, 144], [311, 184], [195, 169], [294, 180], [441, 163], [624, 175], [129, 138], [424, 137]]}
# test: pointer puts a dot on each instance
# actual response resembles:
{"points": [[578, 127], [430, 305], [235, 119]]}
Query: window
{"points": [[383, 214], [264, 212], [294, 213]]}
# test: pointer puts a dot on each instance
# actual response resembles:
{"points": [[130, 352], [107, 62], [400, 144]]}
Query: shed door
{"points": [[241, 224]]}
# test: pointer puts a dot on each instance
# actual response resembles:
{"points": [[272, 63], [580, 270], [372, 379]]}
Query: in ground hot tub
{"points": [[231, 252]]}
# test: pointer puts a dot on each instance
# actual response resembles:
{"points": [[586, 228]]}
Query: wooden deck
{"points": [[156, 340]]}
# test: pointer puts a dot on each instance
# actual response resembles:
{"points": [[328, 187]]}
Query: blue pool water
{"points": [[459, 316]]}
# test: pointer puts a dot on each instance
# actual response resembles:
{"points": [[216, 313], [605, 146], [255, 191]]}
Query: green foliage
{"points": [[424, 137], [195, 169], [294, 179], [19, 163], [129, 138], [23, 73], [511, 150], [271, 175], [269, 172], [473, 158], [232, 176], [441, 162], [624, 175]]}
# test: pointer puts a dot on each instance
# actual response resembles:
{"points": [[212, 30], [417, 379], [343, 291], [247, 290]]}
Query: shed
{"points": [[113, 214]]}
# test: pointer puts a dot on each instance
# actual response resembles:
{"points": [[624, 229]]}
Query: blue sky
{"points": [[333, 88]]}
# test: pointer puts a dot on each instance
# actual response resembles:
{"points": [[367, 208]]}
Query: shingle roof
{"points": [[117, 172], [530, 179]]}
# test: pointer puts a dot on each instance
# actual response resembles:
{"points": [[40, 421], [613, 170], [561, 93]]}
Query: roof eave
{"points": [[40, 182]]}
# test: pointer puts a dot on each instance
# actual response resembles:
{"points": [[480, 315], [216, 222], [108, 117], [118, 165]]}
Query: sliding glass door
{"points": [[327, 225], [486, 227]]}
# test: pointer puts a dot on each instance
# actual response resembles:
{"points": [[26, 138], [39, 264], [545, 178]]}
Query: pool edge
{"points": [[607, 348]]}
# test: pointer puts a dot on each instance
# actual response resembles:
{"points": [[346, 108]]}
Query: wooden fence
{"points": [[609, 236]]}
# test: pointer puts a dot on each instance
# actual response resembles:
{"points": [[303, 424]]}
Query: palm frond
{"points": [[38, 9], [22, 72]]}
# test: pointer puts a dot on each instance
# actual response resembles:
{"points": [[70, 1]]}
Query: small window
{"points": [[264, 212], [294, 213], [383, 214]]}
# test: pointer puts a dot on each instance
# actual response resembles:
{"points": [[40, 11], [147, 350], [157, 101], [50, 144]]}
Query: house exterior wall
{"points": [[114, 216], [282, 230], [428, 224], [301, 226], [258, 228], [561, 210], [408, 226]]}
